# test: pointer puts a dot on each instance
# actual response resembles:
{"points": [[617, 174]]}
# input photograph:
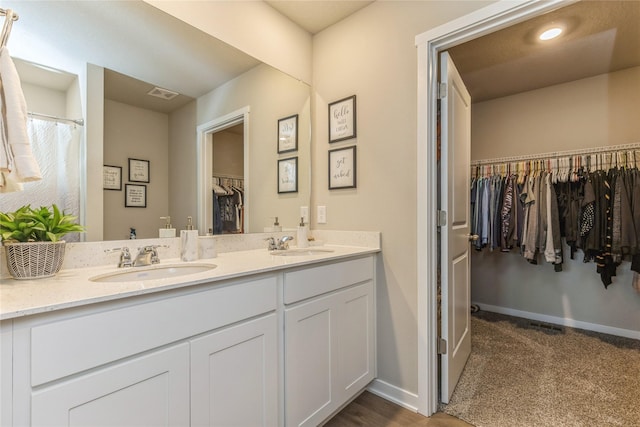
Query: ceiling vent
{"points": [[165, 94]]}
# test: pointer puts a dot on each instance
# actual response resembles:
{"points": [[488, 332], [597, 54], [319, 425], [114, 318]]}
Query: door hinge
{"points": [[442, 90], [442, 346], [442, 218]]}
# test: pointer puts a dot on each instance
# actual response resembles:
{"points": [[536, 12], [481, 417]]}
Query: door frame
{"points": [[489, 19], [204, 154]]}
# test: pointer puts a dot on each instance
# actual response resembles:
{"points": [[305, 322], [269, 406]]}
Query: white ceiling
{"points": [[603, 36], [316, 15]]}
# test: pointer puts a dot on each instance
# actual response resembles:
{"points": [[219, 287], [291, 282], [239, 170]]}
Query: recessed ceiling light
{"points": [[551, 33]]}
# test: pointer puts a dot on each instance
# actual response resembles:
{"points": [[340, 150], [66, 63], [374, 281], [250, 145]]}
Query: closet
{"points": [[228, 204], [564, 132]]}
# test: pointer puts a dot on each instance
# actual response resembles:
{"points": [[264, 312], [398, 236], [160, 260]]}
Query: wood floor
{"points": [[372, 411]]}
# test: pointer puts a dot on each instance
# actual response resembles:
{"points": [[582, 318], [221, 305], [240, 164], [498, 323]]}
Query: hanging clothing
{"points": [[597, 212]]}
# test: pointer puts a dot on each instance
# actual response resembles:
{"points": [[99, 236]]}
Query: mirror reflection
{"points": [[174, 137]]}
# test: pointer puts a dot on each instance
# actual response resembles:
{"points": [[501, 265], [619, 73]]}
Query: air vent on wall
{"points": [[165, 94]]}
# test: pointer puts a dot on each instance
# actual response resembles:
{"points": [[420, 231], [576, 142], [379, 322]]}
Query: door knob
{"points": [[472, 237]]}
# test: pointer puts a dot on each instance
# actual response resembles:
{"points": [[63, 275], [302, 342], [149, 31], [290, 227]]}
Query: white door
{"points": [[455, 116]]}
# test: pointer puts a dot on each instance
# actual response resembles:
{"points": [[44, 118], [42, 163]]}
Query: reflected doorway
{"points": [[223, 174], [228, 180]]}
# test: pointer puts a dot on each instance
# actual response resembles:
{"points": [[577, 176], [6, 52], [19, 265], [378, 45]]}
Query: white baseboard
{"points": [[572, 323], [394, 394]]}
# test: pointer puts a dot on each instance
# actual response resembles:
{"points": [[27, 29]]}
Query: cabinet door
{"points": [[329, 353], [234, 376], [309, 361], [150, 390], [355, 340]]}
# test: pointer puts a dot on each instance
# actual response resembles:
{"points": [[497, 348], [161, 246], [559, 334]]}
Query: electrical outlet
{"points": [[322, 214], [304, 213]]}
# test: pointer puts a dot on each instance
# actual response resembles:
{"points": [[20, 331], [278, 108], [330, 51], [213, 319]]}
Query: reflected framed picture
{"points": [[288, 134], [342, 168], [135, 196], [342, 119], [138, 170], [112, 177], [288, 175]]}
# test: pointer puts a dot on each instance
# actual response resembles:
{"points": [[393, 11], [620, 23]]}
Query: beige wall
{"points": [[182, 170], [132, 132], [372, 54], [592, 112], [251, 26], [228, 154]]}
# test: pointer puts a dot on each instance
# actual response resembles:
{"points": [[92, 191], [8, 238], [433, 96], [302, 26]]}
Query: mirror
{"points": [[103, 46]]}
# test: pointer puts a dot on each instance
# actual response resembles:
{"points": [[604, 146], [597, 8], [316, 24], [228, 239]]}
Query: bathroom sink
{"points": [[302, 252], [136, 274]]}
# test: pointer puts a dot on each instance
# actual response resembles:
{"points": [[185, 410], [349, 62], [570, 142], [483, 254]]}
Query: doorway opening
{"points": [[430, 44], [223, 178]]}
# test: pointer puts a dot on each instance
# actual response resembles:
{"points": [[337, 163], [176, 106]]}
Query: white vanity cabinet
{"points": [[151, 361], [286, 347], [329, 338]]}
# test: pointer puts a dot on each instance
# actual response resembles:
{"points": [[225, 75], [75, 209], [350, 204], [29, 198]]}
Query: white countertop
{"points": [[72, 287]]}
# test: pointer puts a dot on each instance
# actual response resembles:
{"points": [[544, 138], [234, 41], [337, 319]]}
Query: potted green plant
{"points": [[33, 240]]}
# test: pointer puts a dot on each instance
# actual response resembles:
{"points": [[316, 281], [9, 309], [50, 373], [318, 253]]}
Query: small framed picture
{"points": [[288, 134], [288, 175], [135, 196], [112, 177], [342, 168], [138, 170], [342, 119]]}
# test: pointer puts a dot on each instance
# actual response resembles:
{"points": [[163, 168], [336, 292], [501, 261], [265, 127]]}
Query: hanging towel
{"points": [[20, 165]]}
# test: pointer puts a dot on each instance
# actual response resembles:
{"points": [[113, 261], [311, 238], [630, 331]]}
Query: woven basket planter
{"points": [[33, 260]]}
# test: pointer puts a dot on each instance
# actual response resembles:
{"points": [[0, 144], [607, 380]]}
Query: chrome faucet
{"points": [[125, 256], [282, 243], [148, 255], [279, 244]]}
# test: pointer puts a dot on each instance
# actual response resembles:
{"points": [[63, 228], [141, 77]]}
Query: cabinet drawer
{"points": [[73, 345], [307, 283]]}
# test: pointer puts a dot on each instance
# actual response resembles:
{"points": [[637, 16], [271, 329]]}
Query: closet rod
{"points": [[569, 153], [228, 176], [4, 12], [79, 122]]}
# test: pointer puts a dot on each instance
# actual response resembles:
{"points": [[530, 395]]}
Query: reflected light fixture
{"points": [[551, 33]]}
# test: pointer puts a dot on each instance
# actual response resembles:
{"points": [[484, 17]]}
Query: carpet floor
{"points": [[524, 375]]}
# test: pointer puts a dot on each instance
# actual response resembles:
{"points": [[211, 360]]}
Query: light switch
{"points": [[322, 214], [304, 214]]}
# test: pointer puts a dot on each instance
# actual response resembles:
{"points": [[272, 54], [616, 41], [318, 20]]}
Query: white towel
{"points": [[15, 123]]}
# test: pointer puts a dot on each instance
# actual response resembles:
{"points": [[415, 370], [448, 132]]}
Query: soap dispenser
{"points": [[276, 225], [167, 230], [303, 234], [189, 242]]}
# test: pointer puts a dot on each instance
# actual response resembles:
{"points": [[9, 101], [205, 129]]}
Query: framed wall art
{"points": [[342, 119], [288, 134], [288, 175], [138, 170], [135, 196], [112, 177], [342, 168]]}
